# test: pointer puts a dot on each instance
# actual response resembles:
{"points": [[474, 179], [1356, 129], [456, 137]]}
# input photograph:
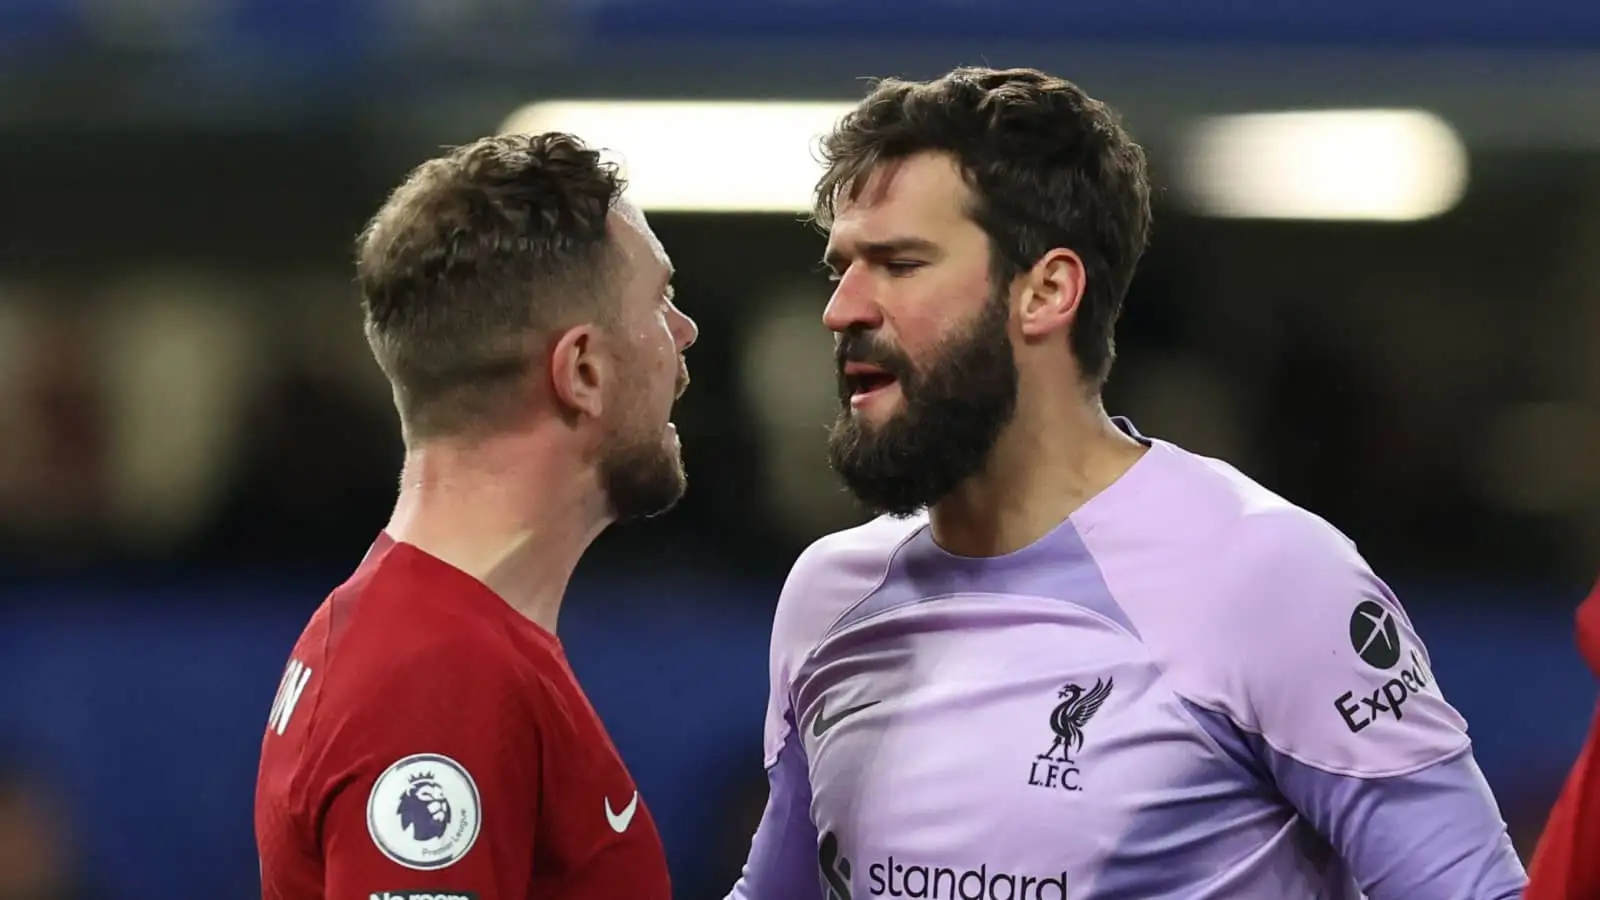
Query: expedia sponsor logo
{"points": [[1389, 699], [419, 895], [893, 878], [1374, 635]]}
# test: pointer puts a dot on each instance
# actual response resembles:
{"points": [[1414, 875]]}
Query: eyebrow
{"points": [[834, 258]]}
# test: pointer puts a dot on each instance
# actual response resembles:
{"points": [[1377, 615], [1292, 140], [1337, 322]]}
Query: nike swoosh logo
{"points": [[823, 722], [619, 820]]}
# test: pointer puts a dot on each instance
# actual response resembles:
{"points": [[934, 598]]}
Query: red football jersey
{"points": [[427, 741], [1566, 865]]}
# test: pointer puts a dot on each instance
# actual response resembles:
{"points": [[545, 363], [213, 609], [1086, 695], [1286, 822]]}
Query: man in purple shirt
{"points": [[1071, 661]]}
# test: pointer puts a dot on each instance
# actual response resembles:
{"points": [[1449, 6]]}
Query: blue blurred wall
{"points": [[149, 705], [339, 41]]}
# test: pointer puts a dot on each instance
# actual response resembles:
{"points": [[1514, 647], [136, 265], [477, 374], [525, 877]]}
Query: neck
{"points": [[1047, 464], [515, 512]]}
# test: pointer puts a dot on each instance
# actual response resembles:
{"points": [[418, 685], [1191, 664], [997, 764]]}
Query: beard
{"points": [[642, 476], [952, 413], [642, 472]]}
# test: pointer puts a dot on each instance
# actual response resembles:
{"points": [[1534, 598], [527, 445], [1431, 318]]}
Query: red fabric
{"points": [[422, 683], [1566, 865]]}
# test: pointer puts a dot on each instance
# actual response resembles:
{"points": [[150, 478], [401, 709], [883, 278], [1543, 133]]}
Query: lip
{"points": [[858, 369], [865, 373], [861, 399]]}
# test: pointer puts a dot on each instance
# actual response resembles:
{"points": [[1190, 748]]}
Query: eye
{"points": [[900, 268]]}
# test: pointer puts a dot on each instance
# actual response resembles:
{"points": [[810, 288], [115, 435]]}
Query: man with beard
{"points": [[1069, 660], [428, 739]]}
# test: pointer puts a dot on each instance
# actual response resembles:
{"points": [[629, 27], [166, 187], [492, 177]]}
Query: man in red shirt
{"points": [[1566, 865], [428, 738]]}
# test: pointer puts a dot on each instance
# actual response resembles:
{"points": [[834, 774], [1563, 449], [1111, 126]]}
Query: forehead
{"points": [[637, 241], [922, 196]]}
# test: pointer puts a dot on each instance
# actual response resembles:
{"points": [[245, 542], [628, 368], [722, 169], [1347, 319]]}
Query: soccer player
{"points": [[1069, 660], [428, 739], [1566, 864]]}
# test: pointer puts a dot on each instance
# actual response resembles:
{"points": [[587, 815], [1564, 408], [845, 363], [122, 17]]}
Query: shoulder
{"points": [[1251, 555], [1283, 589], [854, 558], [830, 577], [1285, 561], [1260, 578], [1588, 624], [1290, 633], [414, 620], [836, 572], [430, 667]]}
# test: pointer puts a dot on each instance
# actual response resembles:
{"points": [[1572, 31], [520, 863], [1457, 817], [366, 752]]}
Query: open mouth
{"points": [[866, 381]]}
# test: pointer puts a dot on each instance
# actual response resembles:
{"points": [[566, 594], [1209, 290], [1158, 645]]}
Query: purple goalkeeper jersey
{"points": [[1190, 688]]}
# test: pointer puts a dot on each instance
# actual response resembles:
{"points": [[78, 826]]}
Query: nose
{"points": [[852, 304], [684, 331]]}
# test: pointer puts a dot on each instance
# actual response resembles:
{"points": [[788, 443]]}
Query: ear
{"points": [[577, 371], [1051, 291]]}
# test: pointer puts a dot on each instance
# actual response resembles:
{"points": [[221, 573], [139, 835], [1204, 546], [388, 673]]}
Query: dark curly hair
{"points": [[474, 254], [1048, 165]]}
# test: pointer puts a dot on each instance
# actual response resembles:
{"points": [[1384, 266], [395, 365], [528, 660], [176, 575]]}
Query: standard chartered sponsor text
{"points": [[894, 878]]}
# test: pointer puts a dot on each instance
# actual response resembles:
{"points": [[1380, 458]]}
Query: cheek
{"points": [[653, 341], [952, 308], [916, 334], [647, 376], [933, 305], [664, 353]]}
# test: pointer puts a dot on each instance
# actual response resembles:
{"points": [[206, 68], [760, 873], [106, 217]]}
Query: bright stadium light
{"points": [[1375, 165], [723, 156]]}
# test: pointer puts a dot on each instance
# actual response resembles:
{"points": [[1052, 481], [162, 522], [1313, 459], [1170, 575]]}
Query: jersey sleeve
{"points": [[1329, 673], [432, 785], [782, 864]]}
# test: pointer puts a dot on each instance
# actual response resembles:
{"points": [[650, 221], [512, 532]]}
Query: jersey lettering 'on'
{"points": [[296, 676], [1190, 688]]}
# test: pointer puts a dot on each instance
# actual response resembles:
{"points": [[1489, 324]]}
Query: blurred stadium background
{"points": [[1391, 318]]}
